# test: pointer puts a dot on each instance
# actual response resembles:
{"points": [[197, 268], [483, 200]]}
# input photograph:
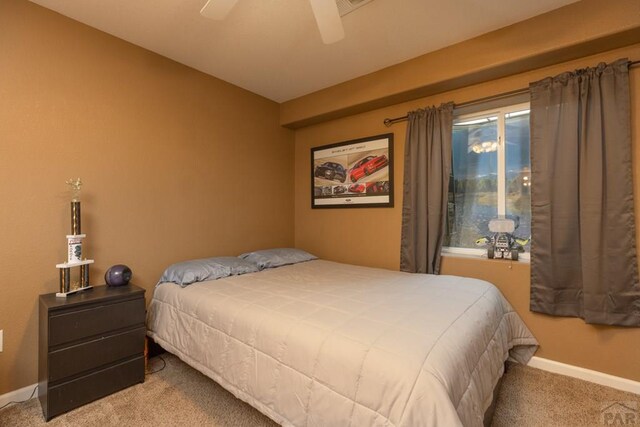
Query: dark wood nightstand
{"points": [[91, 345]]}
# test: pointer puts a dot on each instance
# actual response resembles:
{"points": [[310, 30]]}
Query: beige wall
{"points": [[176, 165], [571, 32], [372, 236]]}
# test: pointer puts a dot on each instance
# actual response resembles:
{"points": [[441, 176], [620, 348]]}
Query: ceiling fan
{"points": [[325, 11]]}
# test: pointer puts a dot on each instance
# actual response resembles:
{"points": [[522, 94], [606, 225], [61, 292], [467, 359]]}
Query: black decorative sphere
{"points": [[118, 275]]}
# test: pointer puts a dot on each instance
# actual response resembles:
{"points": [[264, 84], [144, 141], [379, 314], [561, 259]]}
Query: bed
{"points": [[329, 344]]}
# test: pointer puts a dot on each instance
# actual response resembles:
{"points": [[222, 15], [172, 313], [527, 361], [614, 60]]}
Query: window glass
{"points": [[518, 171], [473, 185], [490, 176]]}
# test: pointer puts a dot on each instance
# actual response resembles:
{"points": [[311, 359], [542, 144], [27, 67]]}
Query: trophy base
{"points": [[65, 294]]}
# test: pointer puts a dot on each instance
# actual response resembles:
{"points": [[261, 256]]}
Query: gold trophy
{"points": [[74, 248]]}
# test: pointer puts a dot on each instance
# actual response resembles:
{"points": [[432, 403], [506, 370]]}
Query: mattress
{"points": [[327, 344]]}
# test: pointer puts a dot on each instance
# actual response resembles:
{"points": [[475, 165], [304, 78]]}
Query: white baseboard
{"points": [[18, 395], [619, 383]]}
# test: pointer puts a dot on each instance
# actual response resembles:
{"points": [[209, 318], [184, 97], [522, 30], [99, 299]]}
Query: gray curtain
{"points": [[427, 166], [583, 256]]}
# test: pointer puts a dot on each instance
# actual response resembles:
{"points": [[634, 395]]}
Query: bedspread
{"points": [[329, 344]]}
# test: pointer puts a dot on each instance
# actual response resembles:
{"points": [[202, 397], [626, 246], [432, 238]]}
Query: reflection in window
{"points": [[488, 177], [518, 171], [473, 184]]}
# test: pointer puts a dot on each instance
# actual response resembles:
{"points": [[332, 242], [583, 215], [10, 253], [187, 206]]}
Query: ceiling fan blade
{"points": [[328, 20], [217, 9]]}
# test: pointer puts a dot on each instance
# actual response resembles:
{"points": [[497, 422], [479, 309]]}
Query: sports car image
{"points": [[357, 188], [367, 166], [339, 189], [331, 171], [378, 187]]}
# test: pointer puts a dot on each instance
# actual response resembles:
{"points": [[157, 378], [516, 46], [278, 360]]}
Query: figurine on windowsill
{"points": [[503, 243]]}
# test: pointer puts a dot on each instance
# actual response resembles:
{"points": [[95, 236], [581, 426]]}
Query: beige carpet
{"points": [[179, 395]]}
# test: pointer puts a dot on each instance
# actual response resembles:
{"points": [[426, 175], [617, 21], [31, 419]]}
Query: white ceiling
{"points": [[273, 47]]}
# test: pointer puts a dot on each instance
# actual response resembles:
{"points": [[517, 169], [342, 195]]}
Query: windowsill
{"points": [[479, 254]]}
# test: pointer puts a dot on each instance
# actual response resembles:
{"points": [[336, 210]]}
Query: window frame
{"points": [[501, 113]]}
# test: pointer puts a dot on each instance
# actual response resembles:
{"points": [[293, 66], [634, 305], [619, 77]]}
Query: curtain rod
{"points": [[388, 122]]}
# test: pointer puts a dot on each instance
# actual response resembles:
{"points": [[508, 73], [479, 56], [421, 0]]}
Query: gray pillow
{"points": [[270, 258], [237, 265], [198, 270]]}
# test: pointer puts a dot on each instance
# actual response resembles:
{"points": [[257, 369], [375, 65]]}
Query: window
{"points": [[490, 176]]}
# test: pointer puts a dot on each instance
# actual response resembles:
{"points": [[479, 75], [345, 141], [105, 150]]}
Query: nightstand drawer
{"points": [[90, 345], [93, 354], [79, 324], [85, 389]]}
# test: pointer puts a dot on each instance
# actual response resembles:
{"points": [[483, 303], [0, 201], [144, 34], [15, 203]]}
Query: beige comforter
{"points": [[328, 344]]}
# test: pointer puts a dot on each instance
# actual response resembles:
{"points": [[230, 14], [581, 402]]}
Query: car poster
{"points": [[356, 173]]}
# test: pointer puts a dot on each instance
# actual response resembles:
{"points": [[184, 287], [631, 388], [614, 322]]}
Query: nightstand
{"points": [[91, 345]]}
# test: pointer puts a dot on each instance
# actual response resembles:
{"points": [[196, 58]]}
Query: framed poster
{"points": [[353, 174]]}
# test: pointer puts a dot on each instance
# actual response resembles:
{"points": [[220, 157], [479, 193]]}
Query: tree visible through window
{"points": [[490, 174]]}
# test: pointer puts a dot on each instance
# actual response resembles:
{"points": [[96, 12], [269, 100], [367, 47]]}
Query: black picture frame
{"points": [[353, 174]]}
